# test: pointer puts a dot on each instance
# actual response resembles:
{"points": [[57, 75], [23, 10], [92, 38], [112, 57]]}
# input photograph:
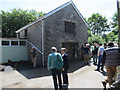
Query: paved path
{"points": [[86, 77], [79, 77]]}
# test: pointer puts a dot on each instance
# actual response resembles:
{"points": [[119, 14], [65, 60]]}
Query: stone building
{"points": [[62, 27]]}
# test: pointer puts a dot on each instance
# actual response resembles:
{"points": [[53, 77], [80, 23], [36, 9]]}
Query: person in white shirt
{"points": [[100, 55]]}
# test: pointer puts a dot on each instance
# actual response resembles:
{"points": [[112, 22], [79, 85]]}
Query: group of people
{"points": [[94, 51], [103, 55], [57, 64]]}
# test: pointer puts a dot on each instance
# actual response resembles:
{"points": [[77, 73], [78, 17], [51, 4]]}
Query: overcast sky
{"points": [[86, 7]]}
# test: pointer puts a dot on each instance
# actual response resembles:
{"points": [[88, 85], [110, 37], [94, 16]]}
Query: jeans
{"points": [[65, 77], [95, 59], [100, 62], [56, 74]]}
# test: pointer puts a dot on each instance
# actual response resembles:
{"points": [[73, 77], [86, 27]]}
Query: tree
{"points": [[113, 35], [114, 22], [105, 37], [15, 19], [96, 39], [89, 32], [98, 24]]}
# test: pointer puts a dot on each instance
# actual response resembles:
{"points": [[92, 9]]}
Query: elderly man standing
{"points": [[55, 64], [86, 54]]}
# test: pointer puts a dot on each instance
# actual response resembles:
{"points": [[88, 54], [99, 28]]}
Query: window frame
{"points": [[18, 35], [70, 31], [14, 41], [22, 41], [5, 45], [25, 32]]}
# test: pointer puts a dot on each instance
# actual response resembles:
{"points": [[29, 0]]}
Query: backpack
{"points": [[58, 62]]}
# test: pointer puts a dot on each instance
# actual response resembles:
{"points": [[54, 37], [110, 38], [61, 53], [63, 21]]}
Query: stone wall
{"points": [[54, 28], [34, 35]]}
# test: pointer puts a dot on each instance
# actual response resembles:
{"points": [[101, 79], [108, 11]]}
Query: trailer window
{"points": [[14, 43], [22, 43], [5, 43]]}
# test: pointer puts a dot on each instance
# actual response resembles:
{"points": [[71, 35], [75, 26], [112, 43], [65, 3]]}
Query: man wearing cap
{"points": [[55, 64]]}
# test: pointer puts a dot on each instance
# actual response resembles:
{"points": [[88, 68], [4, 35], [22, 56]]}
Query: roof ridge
{"points": [[39, 19], [52, 12]]}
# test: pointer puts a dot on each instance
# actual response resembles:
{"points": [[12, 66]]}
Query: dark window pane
{"points": [[14, 42], [26, 33], [18, 35], [70, 27], [22, 43], [5, 42]]}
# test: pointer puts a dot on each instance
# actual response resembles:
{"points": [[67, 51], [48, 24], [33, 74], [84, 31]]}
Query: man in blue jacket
{"points": [[55, 64]]}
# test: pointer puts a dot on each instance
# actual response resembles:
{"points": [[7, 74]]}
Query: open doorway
{"points": [[72, 49]]}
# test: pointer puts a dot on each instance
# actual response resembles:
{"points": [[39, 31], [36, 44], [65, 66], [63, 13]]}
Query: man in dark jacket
{"points": [[95, 52], [65, 67]]}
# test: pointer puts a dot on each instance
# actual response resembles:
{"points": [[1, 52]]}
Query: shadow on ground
{"points": [[27, 69], [103, 73]]}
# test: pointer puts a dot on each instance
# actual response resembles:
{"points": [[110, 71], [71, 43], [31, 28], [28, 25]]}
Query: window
{"points": [[5, 43], [70, 28], [26, 33], [22, 43], [18, 35], [14, 43]]}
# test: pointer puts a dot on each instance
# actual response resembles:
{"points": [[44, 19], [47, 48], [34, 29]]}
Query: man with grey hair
{"points": [[55, 64], [86, 54]]}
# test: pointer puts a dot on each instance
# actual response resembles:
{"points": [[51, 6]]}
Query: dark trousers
{"points": [[82, 56], [95, 59], [56, 74], [100, 62], [65, 77]]}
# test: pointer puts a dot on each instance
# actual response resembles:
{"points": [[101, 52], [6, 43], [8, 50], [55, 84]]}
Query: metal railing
{"points": [[34, 47]]}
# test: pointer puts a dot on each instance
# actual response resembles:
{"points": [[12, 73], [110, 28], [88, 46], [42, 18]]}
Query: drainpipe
{"points": [[43, 42]]}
